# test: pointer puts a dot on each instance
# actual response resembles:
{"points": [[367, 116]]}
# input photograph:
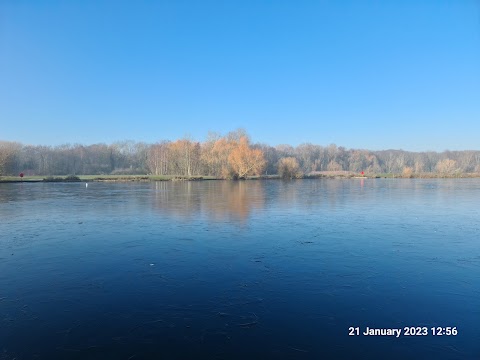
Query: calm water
{"points": [[239, 270]]}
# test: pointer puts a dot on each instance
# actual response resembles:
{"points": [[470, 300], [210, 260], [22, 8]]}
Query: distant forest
{"points": [[233, 155]]}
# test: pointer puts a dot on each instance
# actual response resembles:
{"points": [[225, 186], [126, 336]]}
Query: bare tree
{"points": [[334, 166], [6, 153], [185, 156], [446, 166], [158, 158]]}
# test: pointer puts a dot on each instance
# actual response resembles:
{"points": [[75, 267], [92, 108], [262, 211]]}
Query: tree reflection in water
{"points": [[214, 200]]}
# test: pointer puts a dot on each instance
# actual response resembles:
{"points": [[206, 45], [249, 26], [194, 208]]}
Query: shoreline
{"points": [[154, 178]]}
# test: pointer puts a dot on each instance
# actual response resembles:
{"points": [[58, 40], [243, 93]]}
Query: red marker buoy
{"points": [[362, 172]]}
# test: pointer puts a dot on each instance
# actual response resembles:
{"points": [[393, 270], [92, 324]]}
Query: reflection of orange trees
{"points": [[177, 199], [233, 200], [217, 200]]}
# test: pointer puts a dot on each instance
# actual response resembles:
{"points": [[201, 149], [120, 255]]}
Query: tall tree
{"points": [[446, 166], [158, 158], [246, 161], [7, 150], [185, 156]]}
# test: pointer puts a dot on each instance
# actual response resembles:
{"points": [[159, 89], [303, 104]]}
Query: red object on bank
{"points": [[362, 172], [21, 175]]}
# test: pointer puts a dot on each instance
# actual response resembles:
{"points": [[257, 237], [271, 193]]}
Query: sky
{"points": [[361, 74]]}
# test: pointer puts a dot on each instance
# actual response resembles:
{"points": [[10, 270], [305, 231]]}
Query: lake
{"points": [[240, 269]]}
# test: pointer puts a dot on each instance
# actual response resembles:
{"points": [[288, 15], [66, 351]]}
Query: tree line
{"points": [[233, 155]]}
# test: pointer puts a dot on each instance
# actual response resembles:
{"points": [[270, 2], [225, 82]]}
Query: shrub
{"points": [[288, 168], [69, 178], [407, 172], [72, 178]]}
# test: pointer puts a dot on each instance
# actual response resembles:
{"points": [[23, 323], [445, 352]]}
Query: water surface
{"points": [[236, 270]]}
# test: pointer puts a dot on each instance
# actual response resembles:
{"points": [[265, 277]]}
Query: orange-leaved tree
{"points": [[221, 151], [245, 160]]}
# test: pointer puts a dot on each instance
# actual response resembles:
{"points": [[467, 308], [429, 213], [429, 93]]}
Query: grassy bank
{"points": [[149, 178], [102, 178]]}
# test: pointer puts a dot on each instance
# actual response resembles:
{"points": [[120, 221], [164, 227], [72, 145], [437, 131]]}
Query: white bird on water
{"points": [[86, 185]]}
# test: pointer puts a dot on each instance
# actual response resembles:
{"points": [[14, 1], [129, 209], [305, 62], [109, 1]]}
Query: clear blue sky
{"points": [[361, 74]]}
